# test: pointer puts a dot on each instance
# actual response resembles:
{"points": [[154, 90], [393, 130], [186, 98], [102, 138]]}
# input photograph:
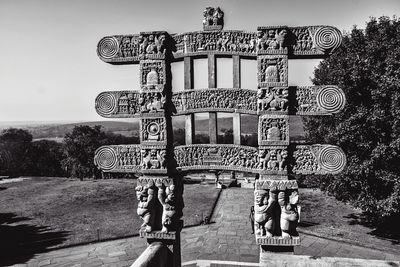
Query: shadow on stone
{"points": [[20, 242], [305, 224], [387, 231]]}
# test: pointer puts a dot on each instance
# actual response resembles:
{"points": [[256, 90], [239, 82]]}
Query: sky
{"points": [[49, 69]]}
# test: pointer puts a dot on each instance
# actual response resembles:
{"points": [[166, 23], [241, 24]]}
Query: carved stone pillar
{"points": [[275, 195]]}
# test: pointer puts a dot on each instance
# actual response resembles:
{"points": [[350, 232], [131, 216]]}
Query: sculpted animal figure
{"points": [[145, 159]]}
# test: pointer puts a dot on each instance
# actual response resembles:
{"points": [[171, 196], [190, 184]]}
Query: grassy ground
{"points": [[67, 211], [55, 212], [325, 216]]}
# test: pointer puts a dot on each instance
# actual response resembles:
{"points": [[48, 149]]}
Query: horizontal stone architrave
{"points": [[218, 100], [304, 41], [307, 159], [217, 157]]}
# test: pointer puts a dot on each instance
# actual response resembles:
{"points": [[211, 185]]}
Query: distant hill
{"points": [[57, 130], [249, 125]]}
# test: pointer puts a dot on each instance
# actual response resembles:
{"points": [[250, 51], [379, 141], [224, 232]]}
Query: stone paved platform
{"points": [[228, 238]]}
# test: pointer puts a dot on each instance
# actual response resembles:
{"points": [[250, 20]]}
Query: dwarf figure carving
{"points": [[289, 212], [167, 199], [264, 203], [145, 208]]}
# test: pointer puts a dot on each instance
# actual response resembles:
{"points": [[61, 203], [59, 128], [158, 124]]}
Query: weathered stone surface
{"points": [[215, 100], [275, 160], [318, 159], [157, 235], [274, 185], [216, 157], [273, 130], [278, 241], [293, 41], [156, 254]]}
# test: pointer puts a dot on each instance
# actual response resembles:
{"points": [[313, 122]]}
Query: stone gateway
{"points": [[277, 158]]}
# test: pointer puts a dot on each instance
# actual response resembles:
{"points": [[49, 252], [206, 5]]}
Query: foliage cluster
{"points": [[367, 68], [20, 155]]}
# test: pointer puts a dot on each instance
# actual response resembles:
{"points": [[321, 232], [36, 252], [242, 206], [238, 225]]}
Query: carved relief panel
{"points": [[273, 130], [152, 75], [276, 215], [151, 103], [152, 45], [272, 70], [319, 100], [153, 159], [220, 157], [158, 206], [122, 158], [272, 40], [318, 159], [128, 104], [213, 19], [219, 99], [273, 160], [273, 100], [223, 42], [118, 104], [153, 130]]}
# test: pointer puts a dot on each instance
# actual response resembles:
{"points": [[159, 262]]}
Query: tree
{"points": [[45, 158], [15, 144], [79, 148], [367, 68], [226, 137]]}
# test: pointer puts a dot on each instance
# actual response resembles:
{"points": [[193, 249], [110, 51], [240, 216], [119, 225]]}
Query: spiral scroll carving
{"points": [[331, 98], [332, 159], [106, 158], [327, 38], [108, 47], [106, 103]]}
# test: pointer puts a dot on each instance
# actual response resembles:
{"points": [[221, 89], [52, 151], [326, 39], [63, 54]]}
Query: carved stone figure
{"points": [[152, 74], [273, 159], [152, 77], [215, 99], [153, 129], [167, 199], [272, 70], [145, 197], [273, 99], [289, 214], [264, 203], [212, 18]]}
